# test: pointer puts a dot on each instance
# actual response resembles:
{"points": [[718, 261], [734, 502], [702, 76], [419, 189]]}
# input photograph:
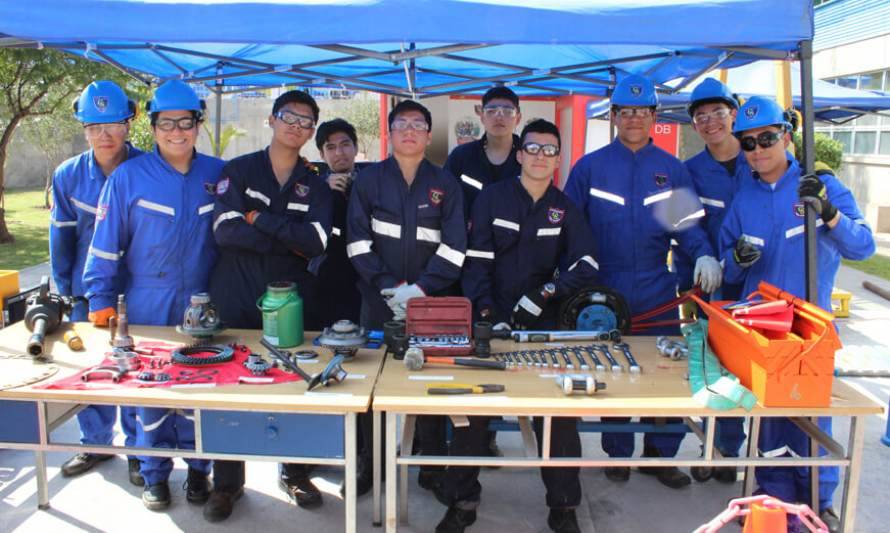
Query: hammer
{"points": [[414, 360]]}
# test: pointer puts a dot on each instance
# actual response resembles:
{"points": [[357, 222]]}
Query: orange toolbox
{"points": [[793, 369]]}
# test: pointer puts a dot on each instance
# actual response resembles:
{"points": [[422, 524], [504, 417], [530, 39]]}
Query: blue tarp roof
{"points": [[536, 46]]}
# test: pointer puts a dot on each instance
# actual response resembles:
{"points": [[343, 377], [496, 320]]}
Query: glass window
{"points": [[847, 81], [885, 143], [866, 120], [864, 142], [845, 138], [871, 81]]}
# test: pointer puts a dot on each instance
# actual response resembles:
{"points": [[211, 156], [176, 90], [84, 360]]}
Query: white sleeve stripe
{"points": [[480, 254], [111, 256], [358, 248], [587, 259], [451, 255], [470, 181], [549, 232], [607, 196], [258, 196], [322, 236], [83, 205], [387, 229], [756, 241], [335, 231], [428, 234], [294, 206], [713, 202], [505, 224], [796, 230], [228, 215], [530, 306], [156, 207], [204, 209], [698, 214], [861, 221], [62, 224], [664, 195]]}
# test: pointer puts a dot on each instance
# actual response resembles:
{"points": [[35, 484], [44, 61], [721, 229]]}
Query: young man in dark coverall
{"points": [[522, 230], [271, 217], [406, 238]]}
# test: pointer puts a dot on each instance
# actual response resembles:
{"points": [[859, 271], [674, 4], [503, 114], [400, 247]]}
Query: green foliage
{"points": [[876, 265], [828, 150], [226, 135], [364, 114], [140, 132], [29, 221]]}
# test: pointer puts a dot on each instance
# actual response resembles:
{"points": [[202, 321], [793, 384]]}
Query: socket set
{"points": [[597, 357]]}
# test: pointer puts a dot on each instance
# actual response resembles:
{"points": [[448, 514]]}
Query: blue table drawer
{"points": [[303, 435], [18, 422]]}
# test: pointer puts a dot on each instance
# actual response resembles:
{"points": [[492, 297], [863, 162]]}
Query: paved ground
{"points": [[103, 500]]}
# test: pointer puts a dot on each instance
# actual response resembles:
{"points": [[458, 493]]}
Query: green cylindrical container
{"points": [[282, 310]]}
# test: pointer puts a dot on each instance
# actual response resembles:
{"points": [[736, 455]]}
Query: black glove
{"points": [[528, 309], [812, 191], [745, 253]]}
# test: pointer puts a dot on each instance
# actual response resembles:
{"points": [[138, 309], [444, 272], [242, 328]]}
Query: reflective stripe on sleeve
{"points": [[713, 202], [471, 182], [500, 222], [111, 256], [322, 236], [750, 239], [529, 306], [83, 205], [663, 195], [204, 209], [358, 248], [607, 196], [156, 207], [228, 215], [480, 254], [387, 229], [587, 259], [257, 195], [63, 224], [450, 254]]}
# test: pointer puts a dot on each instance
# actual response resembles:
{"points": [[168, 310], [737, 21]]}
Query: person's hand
{"points": [[250, 216], [745, 253], [812, 191], [707, 274], [528, 309], [501, 326], [100, 317], [397, 298], [339, 181]]}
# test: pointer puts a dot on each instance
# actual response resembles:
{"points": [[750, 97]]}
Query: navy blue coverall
{"points": [[469, 163]]}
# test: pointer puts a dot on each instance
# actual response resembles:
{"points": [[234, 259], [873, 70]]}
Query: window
{"points": [[869, 134], [885, 143]]}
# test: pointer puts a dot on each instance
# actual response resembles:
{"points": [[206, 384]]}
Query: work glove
{"points": [[100, 318], [397, 298], [528, 309], [501, 326], [812, 191], [745, 253], [707, 274], [250, 216]]}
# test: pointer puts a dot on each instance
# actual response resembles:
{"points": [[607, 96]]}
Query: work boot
{"points": [[82, 462], [133, 472], [220, 505], [832, 522], [196, 486], [563, 521], [156, 497], [701, 473], [301, 491], [429, 479], [669, 476], [726, 474], [456, 520], [618, 473]]}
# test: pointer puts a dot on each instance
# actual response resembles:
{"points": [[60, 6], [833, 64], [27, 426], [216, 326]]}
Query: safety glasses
{"points": [[493, 110], [764, 139], [631, 112], [170, 124], [549, 150], [401, 124], [704, 118], [95, 130], [290, 118]]}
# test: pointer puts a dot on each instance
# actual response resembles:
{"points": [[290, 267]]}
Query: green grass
{"points": [[28, 222], [876, 265]]}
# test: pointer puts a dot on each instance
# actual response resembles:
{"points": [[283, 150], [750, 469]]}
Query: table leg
{"points": [[40, 458], [391, 517], [545, 435], [851, 480], [407, 444], [349, 478], [753, 451], [377, 466], [814, 471], [710, 431]]}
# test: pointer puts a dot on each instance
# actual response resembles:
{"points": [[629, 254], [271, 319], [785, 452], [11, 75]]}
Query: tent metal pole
{"points": [[217, 126], [121, 68]]}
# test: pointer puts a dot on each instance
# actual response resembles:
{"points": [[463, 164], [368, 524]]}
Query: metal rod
{"points": [[809, 159], [40, 459], [753, 452], [851, 479], [349, 431]]}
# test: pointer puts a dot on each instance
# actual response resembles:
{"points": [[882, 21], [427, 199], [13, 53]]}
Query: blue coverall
{"points": [[469, 163], [76, 186], [771, 218], [636, 202], [716, 189], [516, 245], [159, 221]]}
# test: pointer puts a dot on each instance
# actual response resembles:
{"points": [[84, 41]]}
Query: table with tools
{"points": [[252, 420], [585, 379]]}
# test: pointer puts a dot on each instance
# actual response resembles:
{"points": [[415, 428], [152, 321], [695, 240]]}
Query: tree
{"points": [[52, 134], [364, 114], [828, 150], [36, 83]]}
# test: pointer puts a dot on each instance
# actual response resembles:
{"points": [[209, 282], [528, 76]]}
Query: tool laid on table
{"points": [[463, 388], [595, 309], [415, 360], [604, 349], [632, 364], [671, 348], [257, 365], [482, 334], [73, 340], [290, 365], [440, 325], [200, 355], [200, 319], [597, 364], [579, 383], [343, 338], [332, 374], [43, 314], [120, 327], [103, 372], [563, 336]]}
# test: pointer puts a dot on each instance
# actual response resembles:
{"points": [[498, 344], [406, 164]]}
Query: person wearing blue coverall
{"points": [[523, 231], [637, 198], [717, 173], [272, 216], [105, 112], [493, 157], [762, 239], [156, 215], [407, 238]]}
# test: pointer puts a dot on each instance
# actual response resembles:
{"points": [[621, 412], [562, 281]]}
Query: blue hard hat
{"points": [[175, 95], [758, 112], [103, 102], [711, 90], [635, 91]]}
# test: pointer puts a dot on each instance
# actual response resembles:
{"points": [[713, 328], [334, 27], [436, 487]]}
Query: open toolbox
{"points": [[440, 325]]}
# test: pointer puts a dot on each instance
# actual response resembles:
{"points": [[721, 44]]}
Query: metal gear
{"points": [[257, 365]]}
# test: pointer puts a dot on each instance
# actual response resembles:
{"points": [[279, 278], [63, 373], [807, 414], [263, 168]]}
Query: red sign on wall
{"points": [[666, 137]]}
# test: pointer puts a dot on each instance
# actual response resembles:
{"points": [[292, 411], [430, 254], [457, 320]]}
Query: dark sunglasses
{"points": [[764, 139], [549, 150]]}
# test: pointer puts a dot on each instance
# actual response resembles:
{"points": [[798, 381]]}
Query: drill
{"points": [[43, 315]]}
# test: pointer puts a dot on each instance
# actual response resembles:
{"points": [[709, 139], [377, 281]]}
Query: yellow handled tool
{"points": [[464, 388]]}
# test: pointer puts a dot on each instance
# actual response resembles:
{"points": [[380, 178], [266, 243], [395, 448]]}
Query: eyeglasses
{"points": [[290, 118], [717, 114], [492, 111], [183, 124], [764, 139], [403, 125], [114, 128], [630, 112], [549, 150]]}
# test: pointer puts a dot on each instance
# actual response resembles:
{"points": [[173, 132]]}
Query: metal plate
{"points": [[21, 370]]}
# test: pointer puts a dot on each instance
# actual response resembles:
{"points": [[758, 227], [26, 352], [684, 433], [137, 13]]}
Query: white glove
{"points": [[501, 326], [397, 298], [708, 274]]}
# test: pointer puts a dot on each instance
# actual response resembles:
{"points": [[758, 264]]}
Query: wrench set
{"points": [[582, 357]]}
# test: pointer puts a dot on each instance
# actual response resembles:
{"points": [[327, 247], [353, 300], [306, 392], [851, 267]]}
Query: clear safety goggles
{"points": [[113, 128], [494, 110], [290, 118], [549, 150], [631, 112], [404, 125], [704, 118], [170, 124]]}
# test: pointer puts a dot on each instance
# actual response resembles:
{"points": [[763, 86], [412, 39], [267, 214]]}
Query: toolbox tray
{"points": [[440, 316]]}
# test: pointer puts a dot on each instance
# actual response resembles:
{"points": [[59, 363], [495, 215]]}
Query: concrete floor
{"points": [[513, 499]]}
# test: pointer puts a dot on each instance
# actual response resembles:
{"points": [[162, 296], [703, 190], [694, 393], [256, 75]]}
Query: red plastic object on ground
{"points": [[765, 515], [783, 369], [440, 317]]}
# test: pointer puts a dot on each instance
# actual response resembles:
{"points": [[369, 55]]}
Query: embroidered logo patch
{"points": [[222, 186], [555, 215], [751, 112], [799, 210], [636, 90], [101, 103], [101, 212], [210, 188], [661, 180], [301, 190], [436, 196]]}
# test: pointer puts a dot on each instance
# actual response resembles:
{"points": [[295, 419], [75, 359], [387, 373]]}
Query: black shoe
{"points": [[197, 487], [563, 521], [429, 479], [832, 522], [456, 520], [82, 462], [133, 473], [618, 473], [701, 473], [726, 474], [156, 497], [669, 476], [220, 505], [302, 491]]}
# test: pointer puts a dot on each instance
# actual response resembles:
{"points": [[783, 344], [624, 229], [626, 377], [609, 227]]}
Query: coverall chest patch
{"points": [[661, 180], [436, 196], [555, 216], [222, 186], [301, 190], [798, 209]]}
